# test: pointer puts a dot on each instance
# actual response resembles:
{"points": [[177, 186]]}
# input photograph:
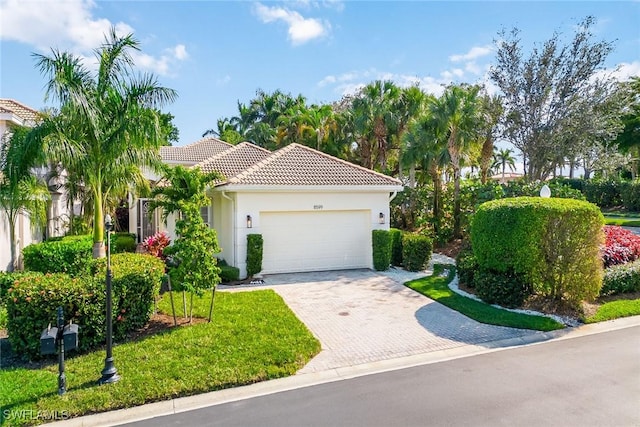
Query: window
{"points": [[204, 213]]}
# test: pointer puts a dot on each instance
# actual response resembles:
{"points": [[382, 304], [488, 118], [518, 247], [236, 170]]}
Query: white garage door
{"points": [[314, 241]]}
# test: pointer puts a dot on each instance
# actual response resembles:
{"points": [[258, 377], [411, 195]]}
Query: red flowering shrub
{"points": [[621, 246], [155, 244]]}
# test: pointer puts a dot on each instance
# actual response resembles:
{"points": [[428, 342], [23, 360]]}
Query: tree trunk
{"points": [[436, 177], [456, 202], [12, 241], [485, 159], [98, 225]]}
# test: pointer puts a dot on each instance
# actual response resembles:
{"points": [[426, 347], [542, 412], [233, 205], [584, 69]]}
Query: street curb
{"points": [[183, 404]]}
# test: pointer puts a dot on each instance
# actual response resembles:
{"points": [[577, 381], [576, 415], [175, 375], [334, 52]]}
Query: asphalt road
{"points": [[587, 381]]}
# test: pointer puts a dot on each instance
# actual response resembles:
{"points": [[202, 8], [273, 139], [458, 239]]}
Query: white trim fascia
{"points": [[309, 188]]}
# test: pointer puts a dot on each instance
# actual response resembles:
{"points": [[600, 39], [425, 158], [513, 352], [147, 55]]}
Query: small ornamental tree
{"points": [[192, 255]]}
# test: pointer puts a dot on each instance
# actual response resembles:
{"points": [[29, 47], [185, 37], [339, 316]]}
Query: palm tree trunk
{"points": [[436, 177], [12, 241], [98, 224]]}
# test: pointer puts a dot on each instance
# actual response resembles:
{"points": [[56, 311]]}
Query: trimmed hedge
{"points": [[630, 195], [32, 303], [33, 299], [396, 246], [606, 194], [504, 289], [381, 242], [254, 254], [416, 251], [551, 244], [71, 255], [123, 243], [621, 279], [229, 273]]}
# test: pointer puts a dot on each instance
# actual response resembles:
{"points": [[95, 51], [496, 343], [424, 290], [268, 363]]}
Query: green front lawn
{"points": [[615, 309], [436, 287], [621, 221], [254, 337]]}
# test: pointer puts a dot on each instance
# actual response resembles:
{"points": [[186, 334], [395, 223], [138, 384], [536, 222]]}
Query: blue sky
{"points": [[215, 53]]}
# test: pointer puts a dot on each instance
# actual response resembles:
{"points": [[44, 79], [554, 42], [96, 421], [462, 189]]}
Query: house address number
{"points": [[317, 207]]}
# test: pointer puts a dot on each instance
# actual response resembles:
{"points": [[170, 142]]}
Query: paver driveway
{"points": [[361, 316]]}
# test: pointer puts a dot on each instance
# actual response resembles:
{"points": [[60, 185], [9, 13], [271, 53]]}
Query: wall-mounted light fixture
{"points": [[249, 221], [381, 218]]}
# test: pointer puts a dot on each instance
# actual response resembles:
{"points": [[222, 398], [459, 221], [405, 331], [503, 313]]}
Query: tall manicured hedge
{"points": [[254, 254], [604, 193], [630, 195], [381, 242], [552, 244], [68, 255], [396, 246], [416, 251]]}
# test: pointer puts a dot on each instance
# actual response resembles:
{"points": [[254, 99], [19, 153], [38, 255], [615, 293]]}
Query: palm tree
{"points": [[456, 114], [21, 193], [108, 125], [503, 158], [491, 110]]}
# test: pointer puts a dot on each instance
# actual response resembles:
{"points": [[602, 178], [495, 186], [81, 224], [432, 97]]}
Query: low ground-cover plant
{"points": [[621, 246], [254, 337], [620, 279], [436, 287]]}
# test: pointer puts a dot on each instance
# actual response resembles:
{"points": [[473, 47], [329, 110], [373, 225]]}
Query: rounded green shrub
{"points": [[381, 242], [32, 304], [416, 251], [136, 281], [69, 255], [123, 243], [551, 244], [504, 289], [229, 273]]}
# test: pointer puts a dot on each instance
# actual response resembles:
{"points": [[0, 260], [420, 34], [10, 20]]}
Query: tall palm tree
{"points": [[503, 158], [491, 111], [21, 193], [456, 114], [108, 125]]}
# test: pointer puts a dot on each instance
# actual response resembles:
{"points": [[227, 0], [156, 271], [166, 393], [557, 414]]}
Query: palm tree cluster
{"points": [[108, 127]]}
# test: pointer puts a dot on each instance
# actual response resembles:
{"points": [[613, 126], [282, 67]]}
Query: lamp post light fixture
{"points": [[381, 218], [545, 191], [249, 221], [109, 373]]}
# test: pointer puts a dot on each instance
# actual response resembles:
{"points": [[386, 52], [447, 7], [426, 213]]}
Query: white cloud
{"points": [[626, 70], [301, 29], [223, 80], [475, 53], [70, 25]]}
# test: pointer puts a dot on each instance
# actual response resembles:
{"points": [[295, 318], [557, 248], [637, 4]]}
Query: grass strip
{"points": [[627, 222], [436, 287], [615, 310], [253, 337]]}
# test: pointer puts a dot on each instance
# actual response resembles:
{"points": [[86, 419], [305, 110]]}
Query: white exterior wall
{"points": [[253, 203], [222, 211]]}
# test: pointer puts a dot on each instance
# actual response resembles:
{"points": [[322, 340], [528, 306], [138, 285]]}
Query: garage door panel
{"points": [[313, 241]]}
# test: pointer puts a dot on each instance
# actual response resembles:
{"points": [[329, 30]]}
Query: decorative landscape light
{"points": [[109, 373], [545, 191], [249, 221], [381, 218]]}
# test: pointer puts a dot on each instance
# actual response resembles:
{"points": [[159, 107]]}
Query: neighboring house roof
{"points": [[194, 153], [234, 160], [297, 164], [26, 115]]}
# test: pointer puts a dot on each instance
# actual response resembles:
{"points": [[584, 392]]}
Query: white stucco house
{"points": [[14, 113], [314, 211]]}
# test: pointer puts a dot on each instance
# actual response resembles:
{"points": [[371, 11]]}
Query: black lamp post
{"points": [[109, 373]]}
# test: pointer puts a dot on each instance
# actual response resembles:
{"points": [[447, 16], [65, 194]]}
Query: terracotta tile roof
{"points": [[300, 165], [234, 160], [194, 153], [27, 114]]}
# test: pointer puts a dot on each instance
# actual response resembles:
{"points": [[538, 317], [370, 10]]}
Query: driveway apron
{"points": [[360, 316]]}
